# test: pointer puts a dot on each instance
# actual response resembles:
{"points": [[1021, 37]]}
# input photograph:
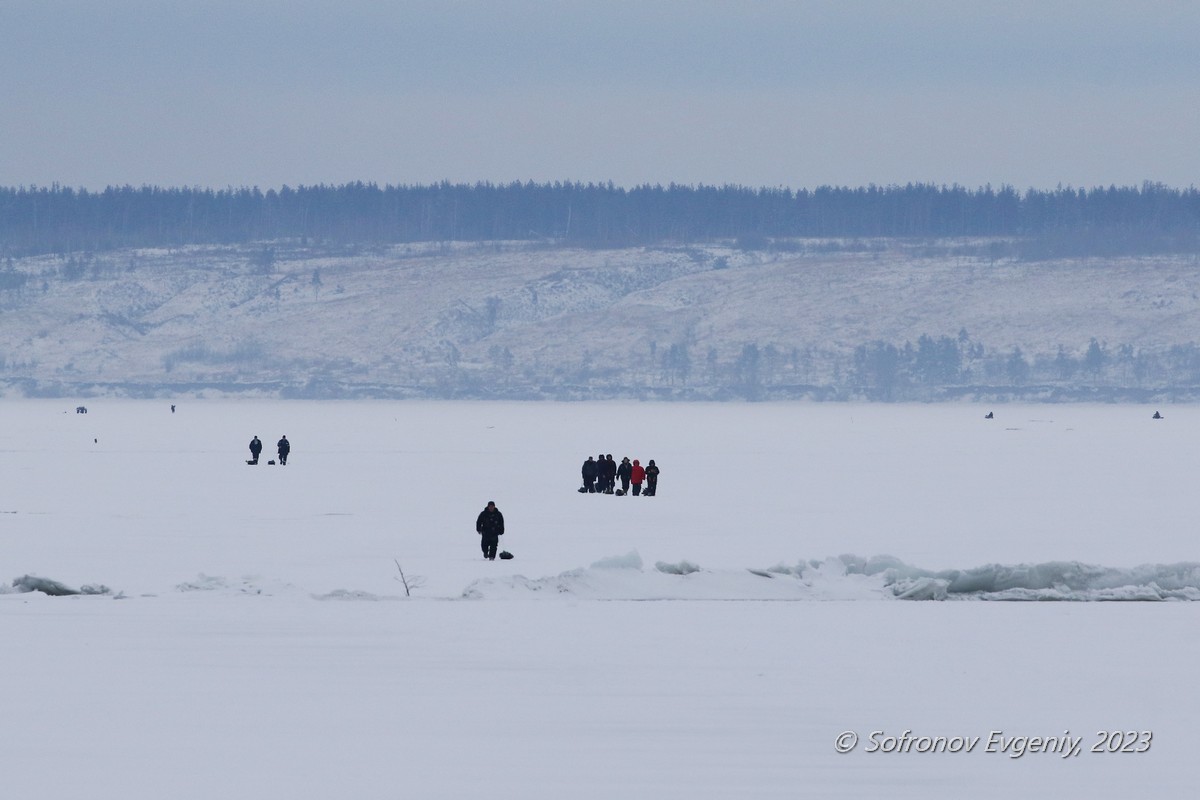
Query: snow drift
{"points": [[32, 583], [850, 577], [1052, 580], [845, 577]]}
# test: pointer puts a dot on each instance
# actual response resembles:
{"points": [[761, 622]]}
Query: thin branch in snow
{"points": [[410, 582]]}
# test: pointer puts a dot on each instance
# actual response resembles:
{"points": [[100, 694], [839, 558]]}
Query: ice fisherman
{"points": [[590, 471], [284, 447], [623, 472], [255, 449], [636, 475], [651, 479], [490, 526], [610, 474]]}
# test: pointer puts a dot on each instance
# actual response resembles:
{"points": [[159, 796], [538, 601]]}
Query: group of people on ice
{"points": [[600, 476], [283, 447]]}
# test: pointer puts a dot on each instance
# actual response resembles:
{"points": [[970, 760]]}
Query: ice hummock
{"points": [[850, 577]]}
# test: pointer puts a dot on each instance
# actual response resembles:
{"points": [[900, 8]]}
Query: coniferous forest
{"points": [[1062, 222], [572, 290]]}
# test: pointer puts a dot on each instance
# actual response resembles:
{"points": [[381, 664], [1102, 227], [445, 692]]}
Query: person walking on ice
{"points": [[490, 527], [255, 449], [285, 447]]}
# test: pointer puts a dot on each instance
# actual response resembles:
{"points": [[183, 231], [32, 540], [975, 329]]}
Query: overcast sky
{"points": [[797, 94]]}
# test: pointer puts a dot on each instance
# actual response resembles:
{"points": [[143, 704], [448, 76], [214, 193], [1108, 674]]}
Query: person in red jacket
{"points": [[636, 476]]}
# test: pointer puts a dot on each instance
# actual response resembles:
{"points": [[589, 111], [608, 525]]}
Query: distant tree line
{"points": [[931, 369], [1043, 223], [884, 371]]}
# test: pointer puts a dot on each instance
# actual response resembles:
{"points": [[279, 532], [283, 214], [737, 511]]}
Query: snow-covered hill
{"points": [[821, 319]]}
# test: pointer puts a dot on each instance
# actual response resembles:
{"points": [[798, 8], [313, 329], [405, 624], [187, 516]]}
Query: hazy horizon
{"points": [[769, 94]]}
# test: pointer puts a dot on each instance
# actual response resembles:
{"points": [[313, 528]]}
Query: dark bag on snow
{"points": [[504, 554]]}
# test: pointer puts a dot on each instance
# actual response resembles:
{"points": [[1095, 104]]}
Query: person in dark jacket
{"points": [[490, 526], [255, 449], [284, 447], [651, 479], [610, 474], [623, 473], [636, 475], [591, 471]]}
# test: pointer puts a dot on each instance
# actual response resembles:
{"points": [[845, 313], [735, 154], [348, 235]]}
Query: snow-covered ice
{"points": [[176, 623]]}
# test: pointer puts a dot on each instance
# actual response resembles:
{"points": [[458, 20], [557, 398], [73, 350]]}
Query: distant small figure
{"points": [[80, 409], [990, 415], [255, 449], [651, 479], [637, 474], [1157, 415], [172, 408], [284, 447], [490, 526]]}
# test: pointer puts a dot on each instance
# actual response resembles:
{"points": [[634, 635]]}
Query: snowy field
{"points": [[806, 571]]}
